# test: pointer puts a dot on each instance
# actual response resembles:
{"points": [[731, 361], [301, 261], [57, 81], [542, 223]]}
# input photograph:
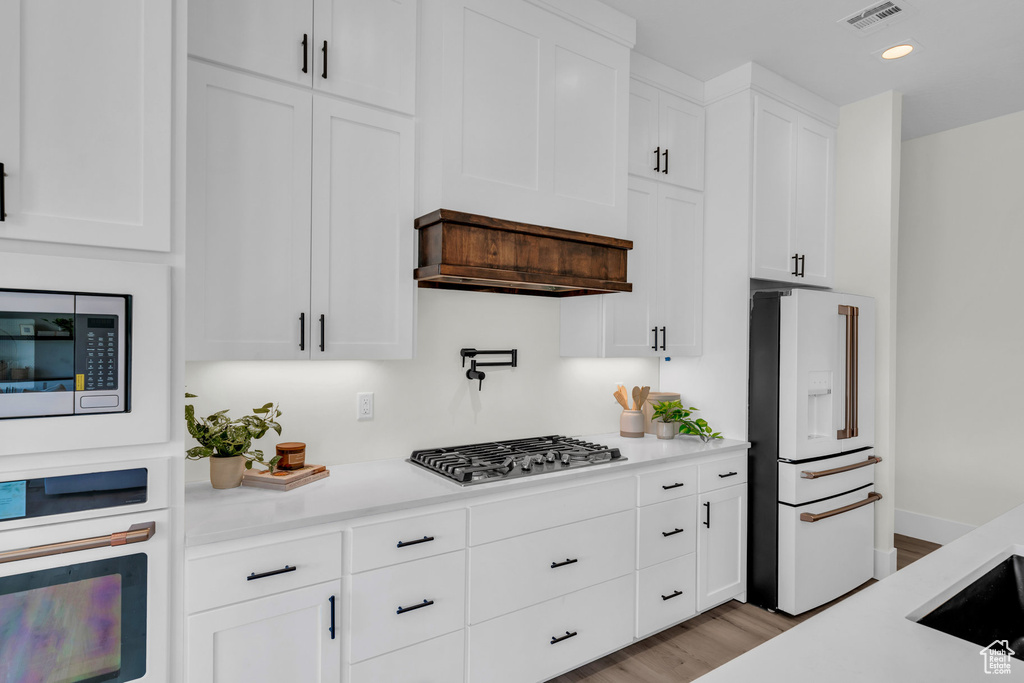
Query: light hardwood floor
{"points": [[695, 647]]}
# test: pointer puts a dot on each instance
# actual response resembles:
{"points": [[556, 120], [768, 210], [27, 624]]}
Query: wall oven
{"points": [[82, 601], [64, 353]]}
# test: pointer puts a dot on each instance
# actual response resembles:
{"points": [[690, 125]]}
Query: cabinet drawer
{"points": [[666, 530], [666, 594], [518, 647], [377, 597], [510, 574], [380, 545], [677, 482], [441, 660], [823, 480], [721, 473], [515, 516], [234, 576]]}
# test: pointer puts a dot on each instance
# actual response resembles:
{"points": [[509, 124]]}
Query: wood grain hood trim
{"points": [[468, 251]]}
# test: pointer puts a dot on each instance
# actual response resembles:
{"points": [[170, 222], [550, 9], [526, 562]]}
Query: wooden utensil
{"points": [[624, 398], [636, 398], [644, 391], [621, 400]]}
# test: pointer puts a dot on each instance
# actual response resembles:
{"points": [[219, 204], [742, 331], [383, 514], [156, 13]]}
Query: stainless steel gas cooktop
{"points": [[499, 460]]}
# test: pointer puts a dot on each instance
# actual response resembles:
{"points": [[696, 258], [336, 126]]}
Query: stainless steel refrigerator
{"points": [[811, 461]]}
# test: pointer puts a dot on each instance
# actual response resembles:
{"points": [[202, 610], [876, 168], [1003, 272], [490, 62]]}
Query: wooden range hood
{"points": [[467, 251]]}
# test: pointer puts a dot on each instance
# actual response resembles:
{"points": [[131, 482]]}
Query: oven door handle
{"points": [[137, 533], [811, 517]]}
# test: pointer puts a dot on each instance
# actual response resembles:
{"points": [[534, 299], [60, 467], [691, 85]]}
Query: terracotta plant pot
{"points": [[666, 430], [226, 473]]}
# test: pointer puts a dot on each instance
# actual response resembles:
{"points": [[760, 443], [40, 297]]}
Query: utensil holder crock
{"points": [[631, 424]]}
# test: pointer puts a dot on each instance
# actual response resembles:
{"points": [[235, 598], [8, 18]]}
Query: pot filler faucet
{"points": [[479, 375]]}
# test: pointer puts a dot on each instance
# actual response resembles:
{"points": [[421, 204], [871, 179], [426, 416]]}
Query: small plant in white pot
{"points": [[228, 442], [671, 417]]}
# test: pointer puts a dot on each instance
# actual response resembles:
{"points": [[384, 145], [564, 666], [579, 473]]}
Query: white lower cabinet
{"points": [[545, 640], [665, 594], [291, 636], [666, 530], [721, 546], [440, 660]]}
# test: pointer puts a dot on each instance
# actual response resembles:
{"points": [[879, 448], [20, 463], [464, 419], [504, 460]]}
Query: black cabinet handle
{"points": [[676, 594], [567, 636], [3, 194], [302, 331], [727, 474], [425, 603], [331, 629], [707, 515], [425, 539], [803, 257], [305, 53], [655, 331], [556, 565], [665, 153], [657, 159], [673, 486], [253, 576], [796, 265], [666, 534], [325, 59], [321, 333], [664, 338]]}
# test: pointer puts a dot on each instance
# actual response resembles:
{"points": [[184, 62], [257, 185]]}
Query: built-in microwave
{"points": [[64, 353]]}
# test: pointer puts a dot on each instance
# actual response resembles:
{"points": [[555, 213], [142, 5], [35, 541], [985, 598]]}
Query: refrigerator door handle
{"points": [[852, 314], [811, 517], [873, 460]]}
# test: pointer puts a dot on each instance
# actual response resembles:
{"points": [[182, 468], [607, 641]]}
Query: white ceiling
{"points": [[969, 66]]}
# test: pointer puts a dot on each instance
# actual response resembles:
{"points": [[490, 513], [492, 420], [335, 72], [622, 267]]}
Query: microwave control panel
{"points": [[97, 351]]}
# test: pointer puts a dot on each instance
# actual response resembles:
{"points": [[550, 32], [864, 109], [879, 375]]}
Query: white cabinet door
{"points": [[681, 136], [644, 144], [269, 37], [814, 221], [285, 637], [85, 126], [370, 51], [630, 316], [680, 271], [721, 546], [248, 217], [363, 260], [774, 248]]}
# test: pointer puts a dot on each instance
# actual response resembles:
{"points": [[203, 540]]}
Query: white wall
{"points": [[867, 230], [716, 382], [428, 401], [960, 372]]}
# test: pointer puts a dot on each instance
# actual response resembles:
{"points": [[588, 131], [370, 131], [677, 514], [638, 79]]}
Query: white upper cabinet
{"points": [[85, 122], [363, 50], [666, 136], [524, 113], [793, 195]]}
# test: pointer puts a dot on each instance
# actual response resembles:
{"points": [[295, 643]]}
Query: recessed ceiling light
{"points": [[897, 51]]}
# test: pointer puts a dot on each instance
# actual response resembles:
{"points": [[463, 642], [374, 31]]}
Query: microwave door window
{"points": [[37, 352]]}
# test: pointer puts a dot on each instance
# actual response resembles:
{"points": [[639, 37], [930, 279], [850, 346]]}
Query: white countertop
{"points": [[370, 488], [867, 637]]}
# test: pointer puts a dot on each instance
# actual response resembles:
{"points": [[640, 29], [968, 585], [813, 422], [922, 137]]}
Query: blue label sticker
{"points": [[12, 499]]}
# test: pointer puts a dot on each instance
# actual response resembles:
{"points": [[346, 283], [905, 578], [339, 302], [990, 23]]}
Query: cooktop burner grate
{"points": [[497, 460]]}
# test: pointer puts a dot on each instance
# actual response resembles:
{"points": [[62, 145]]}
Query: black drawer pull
{"points": [[730, 474], [302, 331], [3, 192], [331, 629], [253, 576], [556, 565], [324, 74], [671, 595], [425, 539], [305, 53], [425, 603], [707, 514], [567, 636], [673, 486], [666, 534]]}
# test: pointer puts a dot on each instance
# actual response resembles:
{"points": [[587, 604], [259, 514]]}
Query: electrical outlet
{"points": [[364, 405]]}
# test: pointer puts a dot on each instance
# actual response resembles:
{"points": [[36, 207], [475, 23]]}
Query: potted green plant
{"points": [[668, 414], [228, 442]]}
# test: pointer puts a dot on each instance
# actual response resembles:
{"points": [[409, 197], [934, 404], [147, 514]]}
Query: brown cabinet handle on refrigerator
{"points": [[665, 153], [324, 75], [305, 53], [137, 533], [322, 325], [811, 517], [873, 460], [852, 315], [657, 159]]}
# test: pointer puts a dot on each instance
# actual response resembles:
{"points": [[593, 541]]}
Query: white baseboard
{"points": [[927, 528], [885, 563]]}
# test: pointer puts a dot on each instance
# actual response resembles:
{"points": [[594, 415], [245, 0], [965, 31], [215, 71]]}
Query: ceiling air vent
{"points": [[875, 17]]}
